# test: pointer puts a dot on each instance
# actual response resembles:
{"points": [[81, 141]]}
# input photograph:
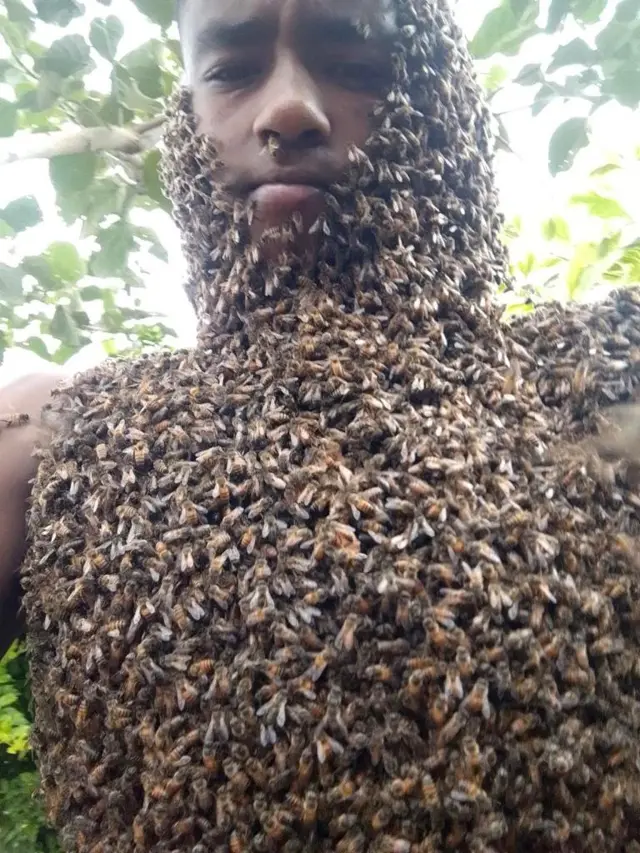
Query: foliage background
{"points": [[72, 94]]}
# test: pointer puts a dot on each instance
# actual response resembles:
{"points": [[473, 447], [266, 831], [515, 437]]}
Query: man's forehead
{"points": [[376, 15]]}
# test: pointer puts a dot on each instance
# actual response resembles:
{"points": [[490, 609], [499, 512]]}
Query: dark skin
{"points": [[305, 73], [17, 469], [301, 71]]}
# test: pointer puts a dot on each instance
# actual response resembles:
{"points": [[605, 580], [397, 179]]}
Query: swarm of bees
{"points": [[332, 580]]}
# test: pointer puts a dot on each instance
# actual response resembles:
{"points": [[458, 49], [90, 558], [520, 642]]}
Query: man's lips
{"points": [[274, 201]]}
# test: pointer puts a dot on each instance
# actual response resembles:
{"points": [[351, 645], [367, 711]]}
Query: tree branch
{"points": [[42, 146]]}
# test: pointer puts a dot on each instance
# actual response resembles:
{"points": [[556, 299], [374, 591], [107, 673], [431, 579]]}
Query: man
{"points": [[17, 467], [333, 580]]}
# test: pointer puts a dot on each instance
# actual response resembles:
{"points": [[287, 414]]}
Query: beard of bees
{"points": [[413, 224]]}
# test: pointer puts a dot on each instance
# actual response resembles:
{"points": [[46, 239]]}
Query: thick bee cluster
{"points": [[346, 577]]}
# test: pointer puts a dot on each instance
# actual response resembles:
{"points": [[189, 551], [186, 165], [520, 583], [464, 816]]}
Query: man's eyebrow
{"points": [[339, 29], [220, 35], [317, 27]]}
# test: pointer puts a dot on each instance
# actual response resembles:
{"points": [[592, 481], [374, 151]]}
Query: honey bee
{"points": [[379, 672], [340, 825], [14, 419], [345, 639], [180, 617], [184, 827], [317, 596], [81, 715], [187, 694], [99, 773], [248, 540], [439, 711], [189, 515], [453, 685], [202, 667], [146, 731], [257, 772], [141, 454], [272, 145], [401, 787], [452, 728], [116, 628], [477, 702], [305, 769], [221, 494], [310, 808], [118, 717], [388, 844], [429, 791], [203, 796], [381, 819], [320, 663], [126, 512], [276, 826]]}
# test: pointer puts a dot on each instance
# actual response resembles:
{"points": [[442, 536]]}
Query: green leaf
{"points": [[604, 170], [528, 264], [556, 228], [63, 327], [505, 28], [624, 85], [67, 56], [576, 52], [37, 346], [114, 113], [578, 278], [105, 35], [91, 293], [158, 11], [530, 74], [609, 245], [64, 262], [126, 91], [151, 179], [558, 13], [543, 97], [115, 243], [18, 12], [8, 118], [10, 284], [628, 11], [601, 206], [60, 12], [38, 267], [73, 172], [567, 140], [495, 77], [143, 64], [588, 11], [22, 213]]}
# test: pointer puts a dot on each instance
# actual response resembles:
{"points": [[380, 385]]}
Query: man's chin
{"points": [[286, 245]]}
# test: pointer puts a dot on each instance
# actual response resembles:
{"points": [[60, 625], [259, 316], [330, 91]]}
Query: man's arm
{"points": [[25, 396]]}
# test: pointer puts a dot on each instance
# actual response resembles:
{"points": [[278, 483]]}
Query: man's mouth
{"points": [[283, 196], [276, 200]]}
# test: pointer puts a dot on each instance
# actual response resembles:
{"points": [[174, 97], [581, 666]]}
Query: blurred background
{"points": [[90, 263]]}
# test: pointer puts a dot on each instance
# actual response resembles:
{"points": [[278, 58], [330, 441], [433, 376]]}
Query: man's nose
{"points": [[292, 109]]}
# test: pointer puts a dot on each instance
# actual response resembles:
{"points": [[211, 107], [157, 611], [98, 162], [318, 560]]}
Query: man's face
{"points": [[284, 88]]}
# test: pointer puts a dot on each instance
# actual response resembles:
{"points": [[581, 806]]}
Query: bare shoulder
{"points": [[21, 429]]}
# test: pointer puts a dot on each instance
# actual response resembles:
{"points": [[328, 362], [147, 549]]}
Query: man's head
{"points": [[374, 103], [284, 88]]}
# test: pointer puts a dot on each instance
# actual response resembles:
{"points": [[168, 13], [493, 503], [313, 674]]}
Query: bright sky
{"points": [[524, 181]]}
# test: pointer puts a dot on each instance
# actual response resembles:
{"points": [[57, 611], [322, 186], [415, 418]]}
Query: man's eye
{"points": [[241, 74], [357, 75]]}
